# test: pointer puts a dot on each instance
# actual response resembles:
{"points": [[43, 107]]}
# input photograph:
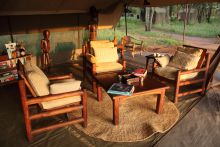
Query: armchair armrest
{"points": [[60, 77], [52, 97], [193, 71], [136, 41]]}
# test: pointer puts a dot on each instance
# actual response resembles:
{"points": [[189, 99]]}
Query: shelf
{"points": [[7, 70], [10, 67], [25, 56], [9, 82]]}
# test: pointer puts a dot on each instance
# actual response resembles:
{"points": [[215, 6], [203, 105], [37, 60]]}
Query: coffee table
{"points": [[149, 86]]}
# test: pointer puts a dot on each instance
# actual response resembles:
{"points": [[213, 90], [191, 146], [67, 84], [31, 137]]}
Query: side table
{"points": [[148, 58]]}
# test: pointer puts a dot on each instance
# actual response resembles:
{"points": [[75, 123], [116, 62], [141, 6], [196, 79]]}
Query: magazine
{"points": [[140, 72], [121, 89]]}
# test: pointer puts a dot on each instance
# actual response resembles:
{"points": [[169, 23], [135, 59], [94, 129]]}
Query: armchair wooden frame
{"points": [[27, 102], [127, 41], [92, 66], [202, 67]]}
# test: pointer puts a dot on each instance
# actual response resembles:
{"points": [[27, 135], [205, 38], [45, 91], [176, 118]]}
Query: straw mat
{"points": [[138, 119]]}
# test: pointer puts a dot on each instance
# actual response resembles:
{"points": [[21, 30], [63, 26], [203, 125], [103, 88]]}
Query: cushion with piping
{"points": [[63, 86], [108, 66], [171, 73], [106, 54], [193, 51], [163, 61], [37, 79], [184, 61], [38, 83]]}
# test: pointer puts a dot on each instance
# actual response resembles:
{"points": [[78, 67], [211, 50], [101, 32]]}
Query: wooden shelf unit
{"points": [[8, 71]]}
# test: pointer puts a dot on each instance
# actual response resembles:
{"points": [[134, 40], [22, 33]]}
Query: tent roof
{"points": [[27, 16], [36, 7]]}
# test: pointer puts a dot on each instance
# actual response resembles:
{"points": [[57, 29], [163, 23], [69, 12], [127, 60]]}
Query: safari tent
{"points": [[69, 24]]}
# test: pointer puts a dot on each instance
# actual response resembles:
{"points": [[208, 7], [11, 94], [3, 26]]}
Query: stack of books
{"points": [[10, 76], [140, 72], [121, 89]]}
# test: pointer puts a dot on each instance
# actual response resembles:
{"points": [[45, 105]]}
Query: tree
{"points": [[142, 14], [149, 13], [167, 19], [204, 12], [201, 12], [209, 12]]}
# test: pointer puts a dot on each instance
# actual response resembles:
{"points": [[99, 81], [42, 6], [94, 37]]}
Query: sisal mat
{"points": [[138, 119]]}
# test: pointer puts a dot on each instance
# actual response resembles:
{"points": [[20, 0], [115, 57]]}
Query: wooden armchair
{"points": [[188, 66], [51, 96], [132, 43], [101, 57]]}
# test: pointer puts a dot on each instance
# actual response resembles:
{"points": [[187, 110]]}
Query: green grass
{"points": [[136, 29], [196, 29]]}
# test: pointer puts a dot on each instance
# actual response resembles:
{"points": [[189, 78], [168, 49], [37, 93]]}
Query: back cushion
{"points": [[106, 54], [184, 61], [163, 61], [192, 51], [100, 44], [37, 79]]}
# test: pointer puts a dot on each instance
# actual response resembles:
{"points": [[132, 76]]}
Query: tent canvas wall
{"points": [[67, 20]]}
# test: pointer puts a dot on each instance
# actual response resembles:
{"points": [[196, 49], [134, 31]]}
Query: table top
{"points": [[149, 84], [150, 56]]}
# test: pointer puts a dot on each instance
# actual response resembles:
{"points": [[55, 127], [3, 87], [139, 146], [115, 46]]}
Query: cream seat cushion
{"points": [[62, 86], [108, 66], [42, 86], [171, 73]]}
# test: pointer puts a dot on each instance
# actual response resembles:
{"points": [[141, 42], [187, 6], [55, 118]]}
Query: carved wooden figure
{"points": [[45, 48]]}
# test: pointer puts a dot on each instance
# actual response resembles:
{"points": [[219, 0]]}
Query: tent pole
{"points": [[125, 10], [185, 19], [10, 29], [78, 31]]}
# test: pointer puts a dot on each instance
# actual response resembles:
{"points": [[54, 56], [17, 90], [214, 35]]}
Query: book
{"points": [[121, 89], [140, 72], [128, 78]]}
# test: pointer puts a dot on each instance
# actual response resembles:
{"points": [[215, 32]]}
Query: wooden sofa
{"points": [[50, 96], [188, 66]]}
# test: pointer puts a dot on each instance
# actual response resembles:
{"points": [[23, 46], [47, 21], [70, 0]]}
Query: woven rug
{"points": [[138, 119]]}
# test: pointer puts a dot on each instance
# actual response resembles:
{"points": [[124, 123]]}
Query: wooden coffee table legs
{"points": [[116, 103], [115, 111], [99, 93], [160, 101]]}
